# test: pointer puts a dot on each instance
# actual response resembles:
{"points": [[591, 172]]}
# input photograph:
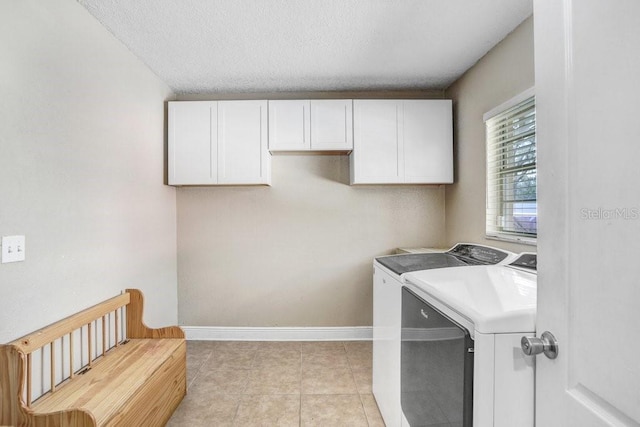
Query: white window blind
{"points": [[511, 172]]}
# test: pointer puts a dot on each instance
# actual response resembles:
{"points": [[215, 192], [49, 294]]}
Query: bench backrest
{"points": [[46, 359]]}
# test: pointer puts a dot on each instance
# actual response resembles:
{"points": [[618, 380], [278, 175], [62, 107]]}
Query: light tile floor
{"points": [[278, 383]]}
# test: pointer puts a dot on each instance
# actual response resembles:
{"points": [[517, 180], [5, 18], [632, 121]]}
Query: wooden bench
{"points": [[99, 367]]}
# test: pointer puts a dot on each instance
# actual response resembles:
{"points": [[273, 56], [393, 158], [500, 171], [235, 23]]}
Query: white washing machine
{"points": [[388, 278], [461, 362]]}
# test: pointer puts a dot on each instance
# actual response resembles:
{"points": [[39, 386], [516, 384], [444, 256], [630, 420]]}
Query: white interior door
{"points": [[587, 101]]}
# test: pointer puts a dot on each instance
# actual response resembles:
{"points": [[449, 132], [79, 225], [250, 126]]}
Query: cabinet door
{"points": [[243, 155], [428, 141], [377, 151], [289, 125], [192, 146], [332, 124]]}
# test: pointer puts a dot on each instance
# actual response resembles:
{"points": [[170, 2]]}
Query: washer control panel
{"points": [[484, 254], [526, 260]]}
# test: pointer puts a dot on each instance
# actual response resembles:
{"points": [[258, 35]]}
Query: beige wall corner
{"points": [[504, 72], [81, 169]]}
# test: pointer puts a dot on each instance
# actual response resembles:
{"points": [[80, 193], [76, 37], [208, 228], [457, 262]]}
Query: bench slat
{"points": [[44, 336], [113, 380]]}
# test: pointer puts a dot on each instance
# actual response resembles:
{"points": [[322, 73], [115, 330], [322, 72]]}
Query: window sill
{"points": [[531, 241]]}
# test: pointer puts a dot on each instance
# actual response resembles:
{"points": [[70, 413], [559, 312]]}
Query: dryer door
{"points": [[436, 366]]}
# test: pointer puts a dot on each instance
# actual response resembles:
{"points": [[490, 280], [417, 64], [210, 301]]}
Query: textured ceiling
{"points": [[216, 46]]}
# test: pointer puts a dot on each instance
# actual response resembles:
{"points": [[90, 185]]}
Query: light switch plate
{"points": [[13, 249]]}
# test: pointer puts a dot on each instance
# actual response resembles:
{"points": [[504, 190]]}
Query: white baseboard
{"points": [[217, 333]]}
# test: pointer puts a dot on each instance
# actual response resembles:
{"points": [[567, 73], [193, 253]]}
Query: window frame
{"points": [[508, 236]]}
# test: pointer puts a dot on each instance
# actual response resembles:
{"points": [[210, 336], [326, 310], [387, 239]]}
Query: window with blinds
{"points": [[511, 171]]}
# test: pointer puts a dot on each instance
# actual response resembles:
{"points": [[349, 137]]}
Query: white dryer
{"points": [[388, 278], [461, 362]]}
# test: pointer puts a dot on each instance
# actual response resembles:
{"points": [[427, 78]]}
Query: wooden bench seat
{"points": [[137, 379], [121, 380]]}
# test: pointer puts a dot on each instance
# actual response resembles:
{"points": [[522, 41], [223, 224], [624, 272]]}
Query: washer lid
{"points": [[462, 254], [496, 299], [401, 264]]}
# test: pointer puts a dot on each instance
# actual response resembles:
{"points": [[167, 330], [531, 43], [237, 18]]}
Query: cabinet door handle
{"points": [[425, 315]]}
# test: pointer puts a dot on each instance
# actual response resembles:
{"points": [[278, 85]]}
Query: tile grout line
{"points": [[366, 417], [246, 385], [300, 401], [195, 376]]}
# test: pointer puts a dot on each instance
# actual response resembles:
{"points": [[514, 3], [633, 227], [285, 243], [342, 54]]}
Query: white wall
{"points": [[81, 169], [298, 253], [81, 175], [504, 72]]}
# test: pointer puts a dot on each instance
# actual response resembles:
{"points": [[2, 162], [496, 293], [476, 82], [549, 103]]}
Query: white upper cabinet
{"points": [[428, 141], [192, 156], [376, 149], [218, 143], [332, 124], [402, 141], [289, 125], [243, 154], [391, 141], [311, 125]]}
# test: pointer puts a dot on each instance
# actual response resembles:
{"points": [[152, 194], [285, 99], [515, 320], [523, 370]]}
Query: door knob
{"points": [[547, 344]]}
